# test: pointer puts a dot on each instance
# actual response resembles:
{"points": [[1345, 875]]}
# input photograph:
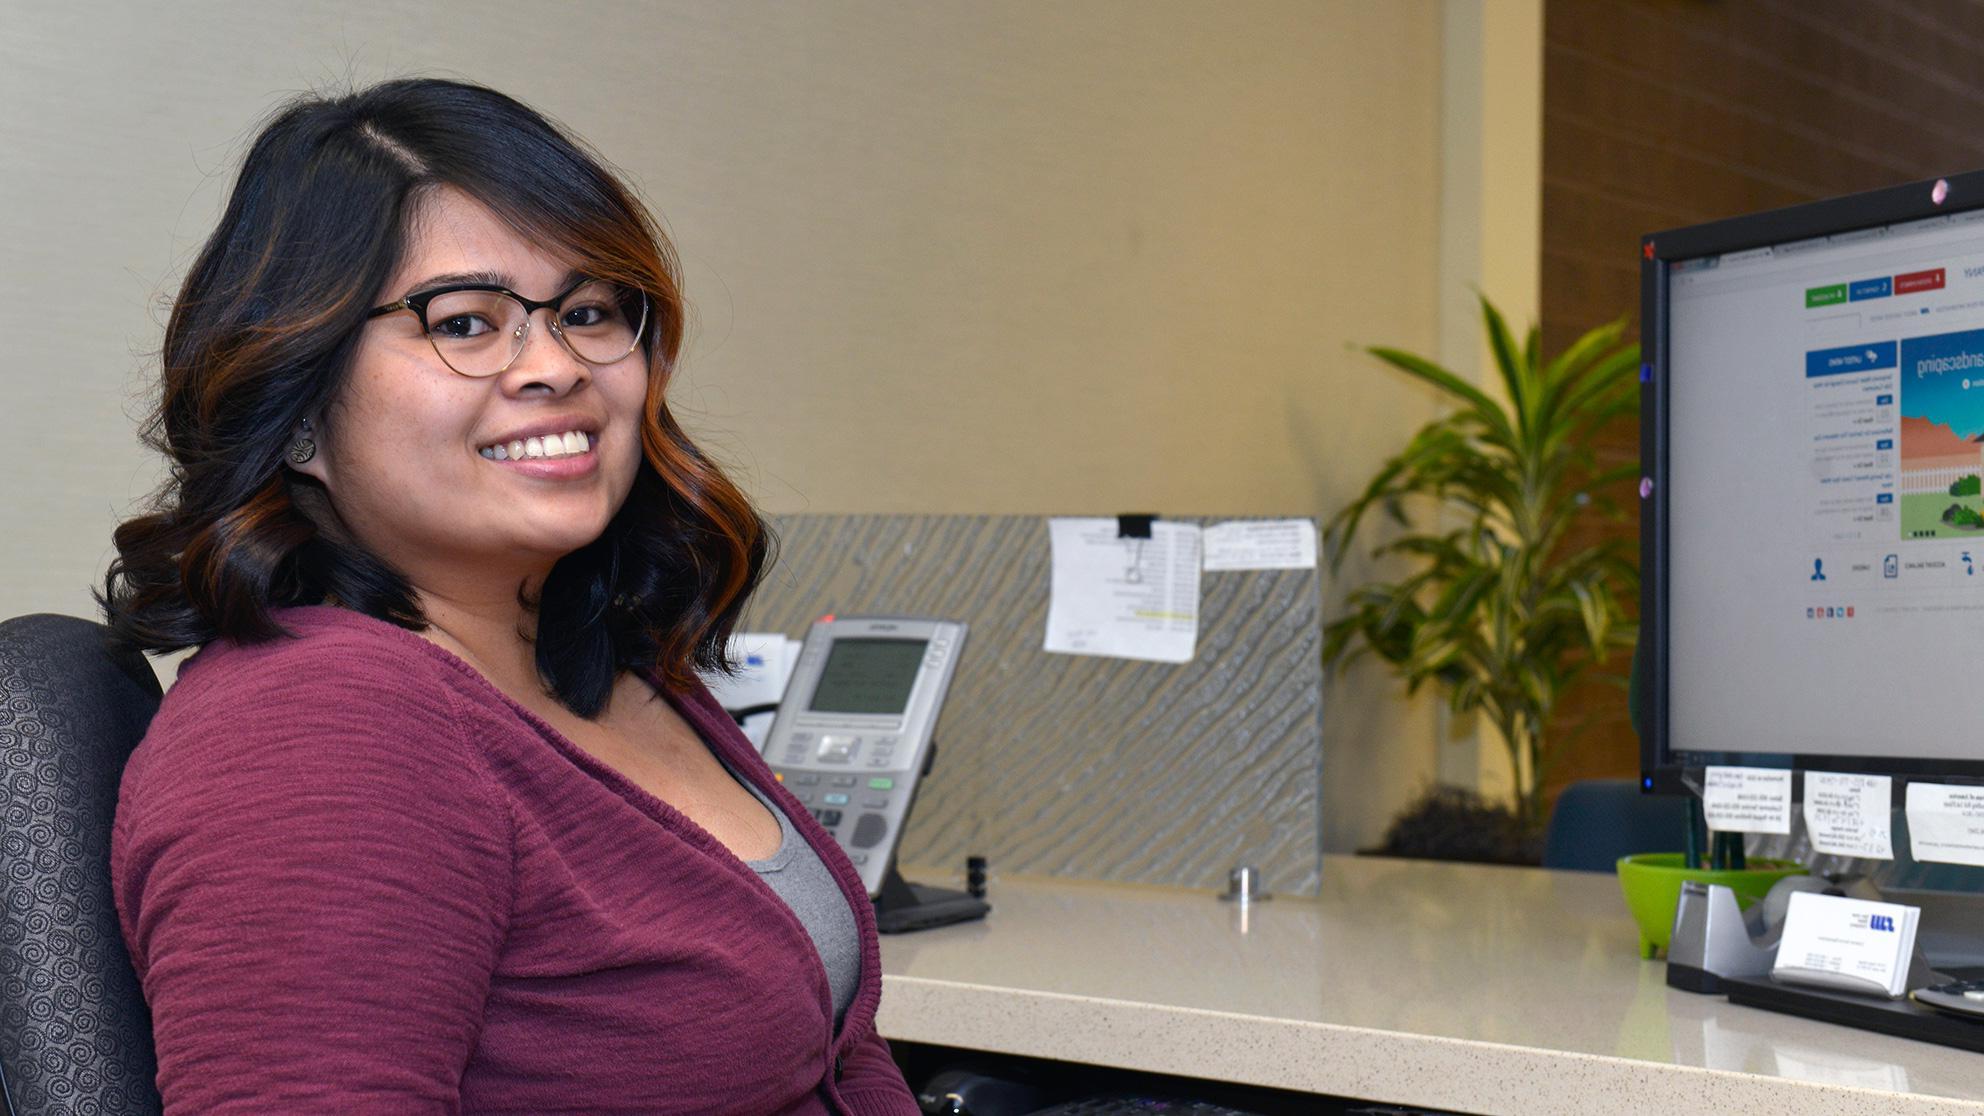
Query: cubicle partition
{"points": [[1076, 766]]}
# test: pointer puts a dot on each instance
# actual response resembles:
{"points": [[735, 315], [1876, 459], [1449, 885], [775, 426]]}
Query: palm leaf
{"points": [[1486, 410], [1582, 352], [1502, 345]]}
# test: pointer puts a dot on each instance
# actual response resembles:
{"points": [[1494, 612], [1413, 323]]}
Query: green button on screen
{"points": [[881, 784], [1825, 296]]}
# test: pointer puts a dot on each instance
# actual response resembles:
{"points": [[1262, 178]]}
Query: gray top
{"points": [[800, 878]]}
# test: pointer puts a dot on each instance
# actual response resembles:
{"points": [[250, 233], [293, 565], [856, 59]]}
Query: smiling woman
{"points": [[401, 440], [265, 332], [440, 817]]}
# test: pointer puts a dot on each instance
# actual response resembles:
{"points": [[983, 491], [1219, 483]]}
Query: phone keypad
{"points": [[869, 829], [867, 799]]}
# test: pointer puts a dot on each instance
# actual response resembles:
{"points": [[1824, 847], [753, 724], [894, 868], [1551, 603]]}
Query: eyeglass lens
{"points": [[478, 333]]}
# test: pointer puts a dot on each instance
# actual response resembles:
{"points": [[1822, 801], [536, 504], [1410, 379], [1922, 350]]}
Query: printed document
{"points": [[764, 662], [1261, 544], [1747, 799], [1946, 823], [1124, 598]]}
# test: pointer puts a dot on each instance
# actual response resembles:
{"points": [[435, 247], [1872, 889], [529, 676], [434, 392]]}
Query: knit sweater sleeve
{"points": [[872, 1085], [314, 877]]}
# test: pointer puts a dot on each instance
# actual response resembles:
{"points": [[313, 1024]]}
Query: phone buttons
{"points": [[869, 831], [806, 780], [830, 818], [835, 800], [881, 784]]}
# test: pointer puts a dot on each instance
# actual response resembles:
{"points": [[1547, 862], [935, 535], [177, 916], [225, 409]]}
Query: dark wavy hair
{"points": [[262, 335]]}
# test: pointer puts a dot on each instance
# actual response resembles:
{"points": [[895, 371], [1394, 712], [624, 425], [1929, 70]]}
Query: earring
{"points": [[304, 447]]}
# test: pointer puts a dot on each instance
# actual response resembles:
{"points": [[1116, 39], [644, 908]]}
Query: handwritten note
{"points": [[1850, 815]]}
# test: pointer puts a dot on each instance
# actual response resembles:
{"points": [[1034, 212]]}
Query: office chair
{"points": [[75, 1036], [1597, 821]]}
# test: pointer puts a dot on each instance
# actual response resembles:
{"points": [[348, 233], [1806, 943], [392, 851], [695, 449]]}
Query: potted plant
{"points": [[1498, 607]]}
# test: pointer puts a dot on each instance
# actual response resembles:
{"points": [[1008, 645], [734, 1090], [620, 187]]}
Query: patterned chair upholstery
{"points": [[74, 1033]]}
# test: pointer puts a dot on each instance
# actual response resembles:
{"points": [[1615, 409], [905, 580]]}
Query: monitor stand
{"points": [[1902, 1017], [1949, 945], [903, 906]]}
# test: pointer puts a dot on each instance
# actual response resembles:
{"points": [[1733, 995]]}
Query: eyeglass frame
{"points": [[419, 300]]}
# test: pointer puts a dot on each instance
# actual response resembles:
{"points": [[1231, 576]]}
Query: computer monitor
{"points": [[1812, 505], [1812, 520]]}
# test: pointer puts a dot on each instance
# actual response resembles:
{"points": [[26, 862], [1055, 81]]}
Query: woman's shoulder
{"points": [[323, 651], [280, 768], [349, 712], [334, 672]]}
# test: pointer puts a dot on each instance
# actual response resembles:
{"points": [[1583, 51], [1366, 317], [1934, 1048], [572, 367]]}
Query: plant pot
{"points": [[1652, 883]]}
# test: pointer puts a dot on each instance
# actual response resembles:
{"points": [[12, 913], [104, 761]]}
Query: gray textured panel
{"points": [[1069, 765]]}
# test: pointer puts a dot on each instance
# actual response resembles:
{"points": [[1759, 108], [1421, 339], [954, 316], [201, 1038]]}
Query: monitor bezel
{"points": [[1662, 770]]}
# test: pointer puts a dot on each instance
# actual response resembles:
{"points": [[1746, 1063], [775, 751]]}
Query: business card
{"points": [[1854, 944]]}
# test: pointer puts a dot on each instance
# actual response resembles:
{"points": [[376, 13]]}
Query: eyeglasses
{"points": [[479, 329]]}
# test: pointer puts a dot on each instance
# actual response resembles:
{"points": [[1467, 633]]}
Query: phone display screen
{"points": [[868, 676]]}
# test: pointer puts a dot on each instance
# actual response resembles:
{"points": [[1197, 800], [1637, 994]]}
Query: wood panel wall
{"points": [[1661, 113]]}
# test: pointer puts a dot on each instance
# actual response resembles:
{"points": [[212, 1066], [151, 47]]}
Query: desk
{"points": [[1474, 988]]}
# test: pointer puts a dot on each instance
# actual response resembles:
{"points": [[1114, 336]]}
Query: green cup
{"points": [[1652, 883]]}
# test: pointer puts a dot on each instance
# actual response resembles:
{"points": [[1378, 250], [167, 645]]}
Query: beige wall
{"points": [[962, 257], [1491, 211]]}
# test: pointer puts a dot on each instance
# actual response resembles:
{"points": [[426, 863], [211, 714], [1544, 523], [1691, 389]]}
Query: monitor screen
{"points": [[1815, 538], [868, 676]]}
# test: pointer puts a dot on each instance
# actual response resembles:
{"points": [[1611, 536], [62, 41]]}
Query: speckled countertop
{"points": [[1480, 989]]}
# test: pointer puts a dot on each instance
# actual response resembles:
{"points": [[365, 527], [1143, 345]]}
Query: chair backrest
{"points": [[1597, 821], [74, 1032]]}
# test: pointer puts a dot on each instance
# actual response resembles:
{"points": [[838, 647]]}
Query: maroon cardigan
{"points": [[356, 878]]}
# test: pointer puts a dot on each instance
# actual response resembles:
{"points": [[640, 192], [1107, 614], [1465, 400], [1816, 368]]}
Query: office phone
{"points": [[853, 736]]}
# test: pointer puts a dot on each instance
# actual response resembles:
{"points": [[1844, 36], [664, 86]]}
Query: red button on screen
{"points": [[1919, 281]]}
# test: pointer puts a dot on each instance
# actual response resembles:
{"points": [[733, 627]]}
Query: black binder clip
{"points": [[1134, 526], [1134, 530]]}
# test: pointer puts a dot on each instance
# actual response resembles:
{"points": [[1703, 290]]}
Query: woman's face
{"points": [[406, 449]]}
